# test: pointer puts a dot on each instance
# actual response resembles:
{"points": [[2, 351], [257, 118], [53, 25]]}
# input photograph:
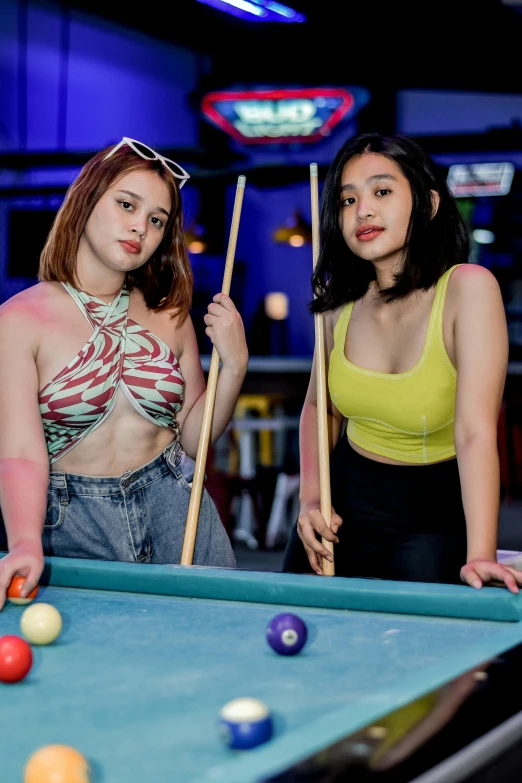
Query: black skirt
{"points": [[399, 522]]}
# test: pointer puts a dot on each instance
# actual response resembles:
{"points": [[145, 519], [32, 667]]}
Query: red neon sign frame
{"points": [[208, 106]]}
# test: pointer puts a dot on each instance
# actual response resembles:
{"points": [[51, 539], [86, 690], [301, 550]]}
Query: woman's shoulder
{"points": [[472, 287], [23, 317], [470, 280], [332, 316], [331, 320], [33, 302]]}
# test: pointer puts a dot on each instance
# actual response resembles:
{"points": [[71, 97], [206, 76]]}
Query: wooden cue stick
{"points": [[191, 526], [320, 369]]}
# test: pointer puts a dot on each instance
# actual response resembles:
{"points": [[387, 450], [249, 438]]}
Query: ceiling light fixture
{"points": [[483, 236], [195, 239], [295, 232], [276, 305], [257, 10]]}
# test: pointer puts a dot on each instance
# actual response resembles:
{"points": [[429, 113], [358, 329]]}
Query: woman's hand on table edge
{"points": [[24, 559], [481, 571]]}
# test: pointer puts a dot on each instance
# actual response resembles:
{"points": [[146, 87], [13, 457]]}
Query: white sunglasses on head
{"points": [[149, 154]]}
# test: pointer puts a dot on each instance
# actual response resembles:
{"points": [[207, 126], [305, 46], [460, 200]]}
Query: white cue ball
{"points": [[245, 723], [244, 710], [41, 623]]}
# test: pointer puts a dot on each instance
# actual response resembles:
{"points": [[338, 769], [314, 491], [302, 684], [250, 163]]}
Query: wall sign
{"points": [[480, 179], [282, 116]]}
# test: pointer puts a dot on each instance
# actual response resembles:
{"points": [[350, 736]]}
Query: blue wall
{"points": [[426, 112], [71, 82], [74, 82], [276, 267], [264, 265]]}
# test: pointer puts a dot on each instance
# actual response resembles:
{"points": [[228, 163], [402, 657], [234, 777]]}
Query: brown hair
{"points": [[166, 279]]}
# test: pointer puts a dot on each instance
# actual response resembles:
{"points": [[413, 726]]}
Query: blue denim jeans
{"points": [[138, 516]]}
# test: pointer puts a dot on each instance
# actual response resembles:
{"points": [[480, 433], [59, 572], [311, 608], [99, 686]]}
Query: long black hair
{"points": [[433, 244]]}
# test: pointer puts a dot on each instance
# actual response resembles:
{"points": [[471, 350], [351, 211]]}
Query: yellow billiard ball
{"points": [[41, 623], [57, 764]]}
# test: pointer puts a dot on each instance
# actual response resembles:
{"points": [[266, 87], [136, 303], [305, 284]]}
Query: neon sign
{"points": [[283, 116], [480, 179]]}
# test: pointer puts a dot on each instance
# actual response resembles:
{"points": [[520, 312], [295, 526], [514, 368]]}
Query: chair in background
{"points": [[253, 469], [260, 405], [228, 490], [285, 509], [255, 446]]}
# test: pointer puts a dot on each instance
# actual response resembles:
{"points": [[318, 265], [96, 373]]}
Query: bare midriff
{"points": [[388, 461], [124, 442]]}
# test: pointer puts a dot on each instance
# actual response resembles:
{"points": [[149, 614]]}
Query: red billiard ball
{"points": [[16, 658], [15, 588]]}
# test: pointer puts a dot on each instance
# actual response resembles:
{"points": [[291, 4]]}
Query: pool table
{"points": [[149, 654]]}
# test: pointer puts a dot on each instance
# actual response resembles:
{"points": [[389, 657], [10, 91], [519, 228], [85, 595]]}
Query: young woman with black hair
{"points": [[418, 349]]}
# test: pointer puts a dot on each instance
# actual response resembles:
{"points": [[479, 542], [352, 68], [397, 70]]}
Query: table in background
{"points": [[287, 375], [150, 653], [295, 366]]}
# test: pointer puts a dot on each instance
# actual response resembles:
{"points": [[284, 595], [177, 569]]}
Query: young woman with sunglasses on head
{"points": [[102, 389], [417, 346]]}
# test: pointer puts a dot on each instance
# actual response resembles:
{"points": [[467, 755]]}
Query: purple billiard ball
{"points": [[286, 634]]}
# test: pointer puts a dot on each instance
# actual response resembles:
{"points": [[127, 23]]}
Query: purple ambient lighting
{"points": [[257, 10]]}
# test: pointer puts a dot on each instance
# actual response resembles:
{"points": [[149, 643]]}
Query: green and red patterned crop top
{"points": [[120, 354]]}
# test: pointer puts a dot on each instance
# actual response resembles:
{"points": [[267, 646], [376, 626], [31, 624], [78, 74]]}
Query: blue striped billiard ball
{"points": [[286, 634], [245, 723]]}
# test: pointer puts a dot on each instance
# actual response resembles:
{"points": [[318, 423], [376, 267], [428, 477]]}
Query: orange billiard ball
{"points": [[57, 764], [15, 588]]}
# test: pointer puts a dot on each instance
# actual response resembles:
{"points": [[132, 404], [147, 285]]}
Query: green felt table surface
{"points": [[149, 654]]}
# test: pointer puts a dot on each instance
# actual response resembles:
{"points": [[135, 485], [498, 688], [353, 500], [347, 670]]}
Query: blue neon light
{"points": [[277, 8], [261, 10], [244, 5]]}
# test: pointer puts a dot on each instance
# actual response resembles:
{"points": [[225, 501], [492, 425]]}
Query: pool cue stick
{"points": [[320, 370], [191, 526]]}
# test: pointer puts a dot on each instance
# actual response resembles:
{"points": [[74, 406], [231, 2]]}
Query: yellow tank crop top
{"points": [[406, 416]]}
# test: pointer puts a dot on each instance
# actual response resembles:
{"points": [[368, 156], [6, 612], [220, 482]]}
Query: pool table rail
{"points": [[438, 600]]}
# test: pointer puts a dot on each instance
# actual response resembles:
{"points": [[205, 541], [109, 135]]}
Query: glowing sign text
{"points": [[480, 179], [261, 117]]}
